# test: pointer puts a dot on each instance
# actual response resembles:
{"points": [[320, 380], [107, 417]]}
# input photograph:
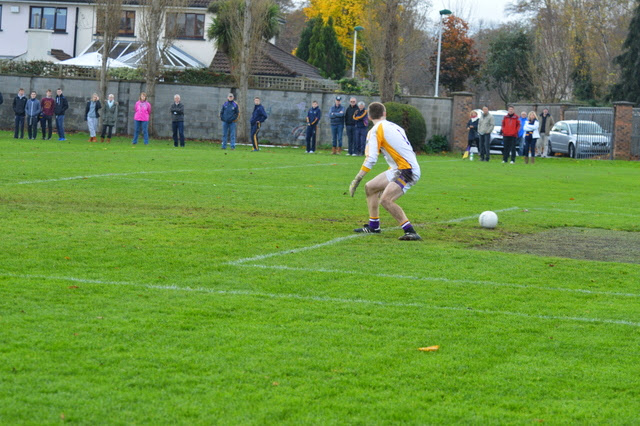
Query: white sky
{"points": [[473, 10]]}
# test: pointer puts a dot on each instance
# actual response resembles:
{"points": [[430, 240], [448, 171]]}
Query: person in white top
{"points": [[531, 136], [387, 187]]}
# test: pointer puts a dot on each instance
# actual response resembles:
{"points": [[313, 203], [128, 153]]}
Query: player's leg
{"points": [[395, 189], [373, 190]]}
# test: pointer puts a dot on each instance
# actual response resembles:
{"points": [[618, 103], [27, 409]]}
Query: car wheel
{"points": [[550, 152], [572, 151]]}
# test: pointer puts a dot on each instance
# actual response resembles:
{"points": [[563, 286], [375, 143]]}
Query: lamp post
{"points": [[355, 40], [443, 12]]}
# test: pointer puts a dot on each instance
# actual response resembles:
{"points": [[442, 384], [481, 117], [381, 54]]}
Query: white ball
{"points": [[488, 219]]}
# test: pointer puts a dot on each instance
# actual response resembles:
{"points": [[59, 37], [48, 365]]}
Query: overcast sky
{"points": [[474, 10]]}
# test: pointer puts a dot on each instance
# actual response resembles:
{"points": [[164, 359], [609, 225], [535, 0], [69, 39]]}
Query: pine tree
{"points": [[317, 51], [628, 87], [584, 88], [302, 51], [326, 52]]}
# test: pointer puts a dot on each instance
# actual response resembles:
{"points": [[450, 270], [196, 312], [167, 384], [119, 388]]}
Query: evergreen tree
{"points": [[325, 51], [628, 87], [584, 89], [302, 51]]}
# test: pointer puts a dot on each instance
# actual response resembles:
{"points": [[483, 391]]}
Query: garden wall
{"points": [[286, 109]]}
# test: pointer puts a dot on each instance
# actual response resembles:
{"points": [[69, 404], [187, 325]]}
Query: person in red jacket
{"points": [[510, 128]]}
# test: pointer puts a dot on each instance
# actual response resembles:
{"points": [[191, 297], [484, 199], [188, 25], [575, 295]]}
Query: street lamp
{"points": [[355, 40], [443, 12]]}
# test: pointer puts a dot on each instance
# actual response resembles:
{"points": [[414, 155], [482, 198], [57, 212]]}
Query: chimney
{"points": [[38, 45]]}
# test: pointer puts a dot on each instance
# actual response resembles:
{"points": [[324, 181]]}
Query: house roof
{"points": [[273, 61], [60, 55]]}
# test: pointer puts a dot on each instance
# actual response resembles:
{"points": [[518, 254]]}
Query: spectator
{"points": [[177, 121], [257, 118], [19, 104], [1, 99], [32, 110], [362, 123], [48, 105], [336, 116], [91, 116], [313, 117], [531, 136], [523, 119], [472, 135], [351, 125], [109, 117], [546, 124], [510, 129], [229, 115], [141, 117], [61, 107], [485, 127]]}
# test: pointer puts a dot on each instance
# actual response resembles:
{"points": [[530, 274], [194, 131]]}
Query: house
{"points": [[56, 30]]}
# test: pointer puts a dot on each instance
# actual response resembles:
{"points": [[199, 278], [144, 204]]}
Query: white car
{"points": [[576, 138]]}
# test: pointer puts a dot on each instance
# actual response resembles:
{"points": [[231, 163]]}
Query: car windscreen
{"points": [[497, 118], [586, 127]]}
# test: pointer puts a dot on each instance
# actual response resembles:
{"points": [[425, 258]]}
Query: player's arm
{"points": [[371, 157]]}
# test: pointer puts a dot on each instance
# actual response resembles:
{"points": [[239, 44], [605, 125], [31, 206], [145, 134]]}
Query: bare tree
{"points": [[240, 29], [109, 15], [157, 38]]}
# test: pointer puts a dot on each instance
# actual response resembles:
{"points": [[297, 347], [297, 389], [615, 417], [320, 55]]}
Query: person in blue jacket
{"points": [[229, 115], [257, 118], [313, 117], [523, 120], [33, 109], [19, 103], [336, 115]]}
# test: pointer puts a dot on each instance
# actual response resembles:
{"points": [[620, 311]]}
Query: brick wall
{"points": [[622, 130], [462, 106]]}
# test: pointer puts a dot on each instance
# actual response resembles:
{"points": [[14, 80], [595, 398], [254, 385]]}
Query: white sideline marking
{"points": [[585, 212], [475, 216], [445, 280], [27, 182], [188, 182], [328, 299], [337, 240]]}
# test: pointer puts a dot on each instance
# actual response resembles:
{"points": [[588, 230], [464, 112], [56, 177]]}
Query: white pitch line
{"points": [[445, 280], [475, 216], [585, 212], [187, 182], [325, 299], [335, 241], [27, 182]]}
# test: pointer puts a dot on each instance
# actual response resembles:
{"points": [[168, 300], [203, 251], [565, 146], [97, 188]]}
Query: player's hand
{"points": [[354, 186]]}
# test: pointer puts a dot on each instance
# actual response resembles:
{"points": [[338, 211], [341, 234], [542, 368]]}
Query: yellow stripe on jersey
{"points": [[383, 143]]}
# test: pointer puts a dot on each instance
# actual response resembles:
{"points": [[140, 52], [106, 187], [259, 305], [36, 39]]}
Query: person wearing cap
{"points": [[351, 125], [313, 117], [336, 115], [229, 115]]}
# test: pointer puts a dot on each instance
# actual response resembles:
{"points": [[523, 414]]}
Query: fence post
{"points": [[462, 102], [622, 130]]}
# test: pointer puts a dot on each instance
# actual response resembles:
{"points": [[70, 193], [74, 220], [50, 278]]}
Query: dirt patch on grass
{"points": [[574, 243]]}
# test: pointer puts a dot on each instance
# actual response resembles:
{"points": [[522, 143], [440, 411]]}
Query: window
{"points": [[48, 18], [0, 17], [185, 25], [127, 23]]}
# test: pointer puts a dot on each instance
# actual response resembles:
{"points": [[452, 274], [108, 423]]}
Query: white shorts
{"points": [[405, 178]]}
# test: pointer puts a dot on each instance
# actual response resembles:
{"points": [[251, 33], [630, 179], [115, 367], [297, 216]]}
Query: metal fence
{"points": [[635, 135], [591, 132]]}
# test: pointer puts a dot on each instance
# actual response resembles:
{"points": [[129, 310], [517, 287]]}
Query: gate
{"points": [[635, 135], [594, 133]]}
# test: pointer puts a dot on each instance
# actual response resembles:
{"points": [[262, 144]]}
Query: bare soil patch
{"points": [[574, 243]]}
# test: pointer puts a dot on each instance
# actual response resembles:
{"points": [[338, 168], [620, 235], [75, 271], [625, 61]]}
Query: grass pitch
{"points": [[157, 285]]}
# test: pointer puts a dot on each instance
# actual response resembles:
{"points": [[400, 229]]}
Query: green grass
{"points": [[193, 285]]}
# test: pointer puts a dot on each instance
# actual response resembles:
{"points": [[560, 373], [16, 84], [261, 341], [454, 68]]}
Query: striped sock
{"points": [[407, 227], [374, 222]]}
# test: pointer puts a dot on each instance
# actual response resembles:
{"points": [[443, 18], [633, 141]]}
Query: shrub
{"points": [[358, 87], [437, 144], [411, 120]]}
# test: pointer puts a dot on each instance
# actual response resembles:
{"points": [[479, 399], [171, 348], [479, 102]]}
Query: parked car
{"points": [[575, 138]]}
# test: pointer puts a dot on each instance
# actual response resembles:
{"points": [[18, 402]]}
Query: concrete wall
{"points": [[286, 109]]}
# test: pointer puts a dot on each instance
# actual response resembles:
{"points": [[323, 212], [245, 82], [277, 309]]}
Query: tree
{"points": [[240, 28], [628, 86], [302, 51], [346, 15], [459, 61], [109, 15], [508, 65], [325, 51], [290, 35], [155, 44], [584, 88]]}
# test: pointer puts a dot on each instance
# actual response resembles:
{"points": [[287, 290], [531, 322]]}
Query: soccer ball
{"points": [[488, 219]]}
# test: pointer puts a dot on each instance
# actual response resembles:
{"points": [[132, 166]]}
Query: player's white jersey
{"points": [[391, 140]]}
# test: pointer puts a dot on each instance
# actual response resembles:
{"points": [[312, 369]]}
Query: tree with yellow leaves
{"points": [[346, 15]]}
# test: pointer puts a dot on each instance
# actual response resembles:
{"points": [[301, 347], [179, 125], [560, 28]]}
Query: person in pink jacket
{"points": [[141, 119]]}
